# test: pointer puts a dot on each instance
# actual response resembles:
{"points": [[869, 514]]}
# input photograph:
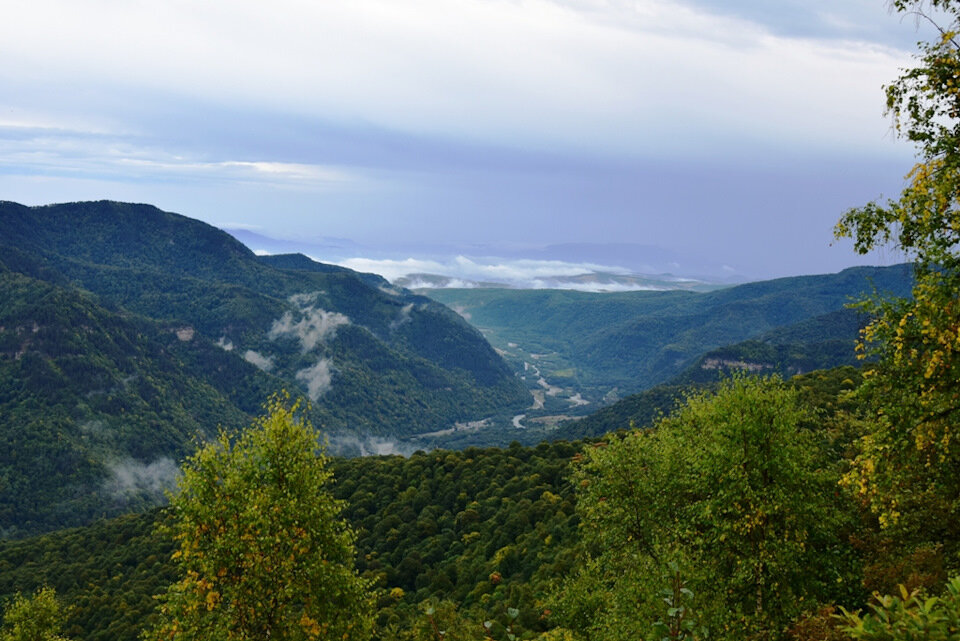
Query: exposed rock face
{"points": [[717, 363]]}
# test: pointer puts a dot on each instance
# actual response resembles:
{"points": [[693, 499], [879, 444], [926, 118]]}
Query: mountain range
{"points": [[601, 346], [127, 332]]}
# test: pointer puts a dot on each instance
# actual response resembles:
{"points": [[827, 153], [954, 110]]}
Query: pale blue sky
{"points": [[726, 133]]}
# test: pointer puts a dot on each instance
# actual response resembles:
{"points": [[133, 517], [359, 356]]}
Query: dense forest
{"points": [[475, 535], [730, 504], [126, 333]]}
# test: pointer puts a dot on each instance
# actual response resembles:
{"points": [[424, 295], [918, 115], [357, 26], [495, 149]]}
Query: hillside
{"points": [[482, 529], [821, 342], [641, 410], [606, 345], [126, 332], [434, 525]]}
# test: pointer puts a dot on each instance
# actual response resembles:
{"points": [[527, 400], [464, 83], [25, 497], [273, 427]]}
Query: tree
{"points": [[908, 469], [36, 618], [908, 616], [731, 492], [262, 550]]}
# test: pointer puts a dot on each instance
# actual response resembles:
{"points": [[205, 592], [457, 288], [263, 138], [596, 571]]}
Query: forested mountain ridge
{"points": [[825, 342], [595, 344], [126, 332]]}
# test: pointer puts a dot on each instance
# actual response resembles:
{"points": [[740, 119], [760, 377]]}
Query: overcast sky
{"points": [[726, 132]]}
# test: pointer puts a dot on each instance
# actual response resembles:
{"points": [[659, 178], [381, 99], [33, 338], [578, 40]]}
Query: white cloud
{"points": [[402, 317], [92, 154], [636, 75], [463, 272], [255, 358], [129, 476], [365, 445], [313, 325], [317, 378], [225, 343], [476, 269]]}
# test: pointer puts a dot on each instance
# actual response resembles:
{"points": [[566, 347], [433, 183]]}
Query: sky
{"points": [[701, 137]]}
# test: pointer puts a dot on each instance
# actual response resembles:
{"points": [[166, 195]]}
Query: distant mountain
{"points": [[822, 342], [126, 331], [606, 345], [820, 387]]}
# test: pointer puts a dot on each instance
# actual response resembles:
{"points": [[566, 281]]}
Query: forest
{"points": [[823, 506]]}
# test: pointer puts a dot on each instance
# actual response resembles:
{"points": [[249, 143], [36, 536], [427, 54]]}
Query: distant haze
{"points": [[715, 135]]}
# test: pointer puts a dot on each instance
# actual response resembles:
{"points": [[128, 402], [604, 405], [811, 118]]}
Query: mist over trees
{"points": [[751, 509]]}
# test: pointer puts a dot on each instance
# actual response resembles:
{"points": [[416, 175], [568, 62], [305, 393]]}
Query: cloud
{"points": [[364, 445], [464, 272], [402, 317], [129, 476], [624, 74], [225, 343], [255, 358], [318, 378], [475, 269], [313, 326], [82, 153], [469, 119]]}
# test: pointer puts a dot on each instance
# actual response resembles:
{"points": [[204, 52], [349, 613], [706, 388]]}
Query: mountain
{"points": [[820, 388], [126, 332], [601, 346], [821, 342]]}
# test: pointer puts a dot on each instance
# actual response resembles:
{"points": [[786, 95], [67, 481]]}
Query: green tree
{"points": [[36, 618], [911, 615], [262, 549], [908, 469], [730, 490]]}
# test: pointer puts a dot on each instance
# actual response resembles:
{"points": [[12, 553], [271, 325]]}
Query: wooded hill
{"points": [[126, 332], [627, 342], [483, 530]]}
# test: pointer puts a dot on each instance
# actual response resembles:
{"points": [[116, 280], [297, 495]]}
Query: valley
{"points": [[576, 351], [464, 423], [130, 332], [487, 321]]}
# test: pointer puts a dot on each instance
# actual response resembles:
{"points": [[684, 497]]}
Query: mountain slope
{"points": [[319, 328], [96, 405], [126, 332], [596, 344], [821, 342]]}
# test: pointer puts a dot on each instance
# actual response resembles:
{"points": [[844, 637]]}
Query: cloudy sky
{"points": [[723, 133]]}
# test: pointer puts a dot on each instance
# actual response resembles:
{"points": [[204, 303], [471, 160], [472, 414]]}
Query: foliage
{"points": [[909, 616], [733, 489], [681, 624], [484, 530], [261, 549], [35, 618], [821, 625], [908, 468]]}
